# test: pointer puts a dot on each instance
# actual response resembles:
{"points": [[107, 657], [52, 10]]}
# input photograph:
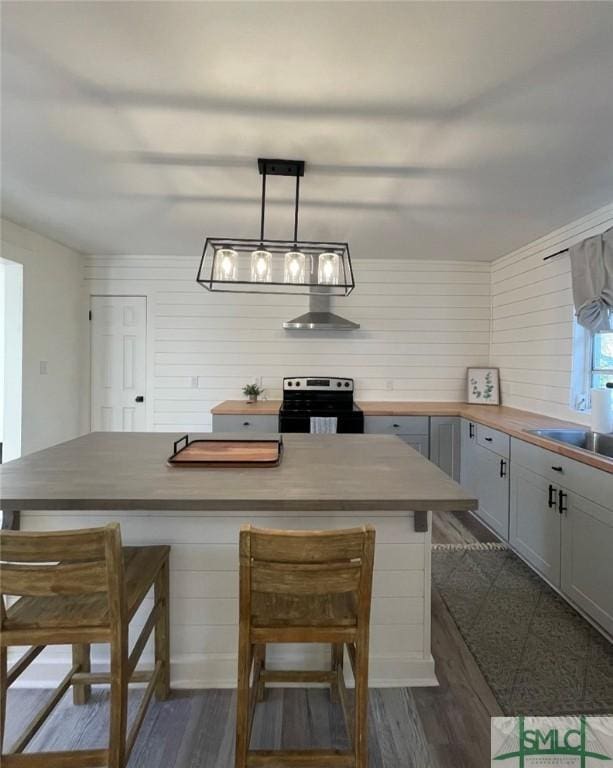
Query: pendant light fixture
{"points": [[276, 266]]}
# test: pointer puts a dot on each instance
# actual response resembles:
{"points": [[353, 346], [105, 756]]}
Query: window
{"points": [[602, 358], [592, 365]]}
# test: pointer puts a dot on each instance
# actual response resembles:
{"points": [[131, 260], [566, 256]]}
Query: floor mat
{"points": [[538, 655]]}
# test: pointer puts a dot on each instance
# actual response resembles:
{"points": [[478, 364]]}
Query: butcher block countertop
{"points": [[129, 471], [509, 420]]}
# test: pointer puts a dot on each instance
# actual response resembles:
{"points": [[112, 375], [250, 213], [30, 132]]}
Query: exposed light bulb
{"points": [[261, 266], [225, 264], [294, 267], [327, 273]]}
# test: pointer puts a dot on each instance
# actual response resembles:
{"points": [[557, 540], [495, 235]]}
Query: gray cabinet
{"points": [[491, 484], [535, 526], [445, 440], [562, 524], [493, 440], [245, 423], [414, 430], [468, 454], [485, 474], [587, 549], [419, 442]]}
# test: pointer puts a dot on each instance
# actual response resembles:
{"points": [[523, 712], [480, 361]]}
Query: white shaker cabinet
{"points": [[587, 557], [485, 473], [413, 430], [445, 442], [562, 525], [468, 454], [535, 526]]}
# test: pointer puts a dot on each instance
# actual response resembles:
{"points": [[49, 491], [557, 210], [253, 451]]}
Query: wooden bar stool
{"points": [[304, 587], [77, 588]]}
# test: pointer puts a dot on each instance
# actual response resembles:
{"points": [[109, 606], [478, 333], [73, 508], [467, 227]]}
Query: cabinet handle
{"points": [[471, 429], [489, 439], [557, 469], [552, 496], [246, 423], [562, 502], [395, 426], [503, 468]]}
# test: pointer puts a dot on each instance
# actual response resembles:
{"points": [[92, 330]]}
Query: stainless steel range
{"points": [[306, 398]]}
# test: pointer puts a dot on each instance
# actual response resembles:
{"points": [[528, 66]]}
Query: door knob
{"points": [[139, 399]]}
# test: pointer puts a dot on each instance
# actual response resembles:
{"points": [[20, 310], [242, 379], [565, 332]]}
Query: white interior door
{"points": [[118, 348]]}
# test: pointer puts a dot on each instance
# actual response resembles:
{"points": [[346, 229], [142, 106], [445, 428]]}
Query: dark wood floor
{"points": [[443, 727], [456, 715]]}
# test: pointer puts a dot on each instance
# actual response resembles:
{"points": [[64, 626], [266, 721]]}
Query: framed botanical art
{"points": [[483, 386]]}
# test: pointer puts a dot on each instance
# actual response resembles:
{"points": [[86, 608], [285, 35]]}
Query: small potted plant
{"points": [[252, 391]]}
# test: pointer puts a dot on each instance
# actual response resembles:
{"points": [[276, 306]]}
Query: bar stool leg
{"points": [[81, 656], [3, 689], [242, 700], [336, 653], [162, 632], [119, 703], [361, 708], [259, 658]]}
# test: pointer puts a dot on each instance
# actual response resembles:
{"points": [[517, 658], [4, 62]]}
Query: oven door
{"points": [[349, 423], [294, 423]]}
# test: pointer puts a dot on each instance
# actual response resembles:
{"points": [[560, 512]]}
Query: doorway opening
{"points": [[11, 358]]}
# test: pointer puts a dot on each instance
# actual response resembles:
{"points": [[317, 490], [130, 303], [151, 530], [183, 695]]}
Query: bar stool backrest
{"points": [[302, 563], [62, 563]]}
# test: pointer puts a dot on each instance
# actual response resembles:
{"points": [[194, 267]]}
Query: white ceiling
{"points": [[430, 130]]}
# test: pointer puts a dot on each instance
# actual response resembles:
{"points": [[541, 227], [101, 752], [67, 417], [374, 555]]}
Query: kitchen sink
{"points": [[594, 442]]}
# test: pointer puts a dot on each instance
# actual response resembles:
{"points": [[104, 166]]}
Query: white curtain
{"points": [[591, 265]]}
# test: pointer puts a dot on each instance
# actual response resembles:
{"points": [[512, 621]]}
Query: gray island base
{"points": [[324, 481]]}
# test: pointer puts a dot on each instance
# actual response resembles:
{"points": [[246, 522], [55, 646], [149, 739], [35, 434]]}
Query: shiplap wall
{"points": [[422, 324], [532, 320], [204, 595]]}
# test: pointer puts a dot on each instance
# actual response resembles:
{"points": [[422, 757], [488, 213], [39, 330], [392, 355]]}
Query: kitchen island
{"points": [[323, 481]]}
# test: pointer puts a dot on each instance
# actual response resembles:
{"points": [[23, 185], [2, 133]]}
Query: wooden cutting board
{"points": [[228, 453]]}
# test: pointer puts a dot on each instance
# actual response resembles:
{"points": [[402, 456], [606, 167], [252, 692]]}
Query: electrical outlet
{"points": [[43, 367], [389, 385], [194, 382]]}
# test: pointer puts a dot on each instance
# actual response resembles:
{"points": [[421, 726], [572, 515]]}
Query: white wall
{"points": [[11, 357], [55, 406], [422, 323], [532, 320], [2, 345]]}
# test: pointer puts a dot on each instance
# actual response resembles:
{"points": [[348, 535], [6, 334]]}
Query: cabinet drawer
{"points": [[245, 423], [592, 483], [494, 440], [397, 425]]}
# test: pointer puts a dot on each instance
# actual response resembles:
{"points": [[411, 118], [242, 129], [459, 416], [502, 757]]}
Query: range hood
{"points": [[319, 317]]}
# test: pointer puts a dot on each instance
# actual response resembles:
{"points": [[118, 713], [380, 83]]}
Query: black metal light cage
{"points": [[243, 281], [277, 248]]}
